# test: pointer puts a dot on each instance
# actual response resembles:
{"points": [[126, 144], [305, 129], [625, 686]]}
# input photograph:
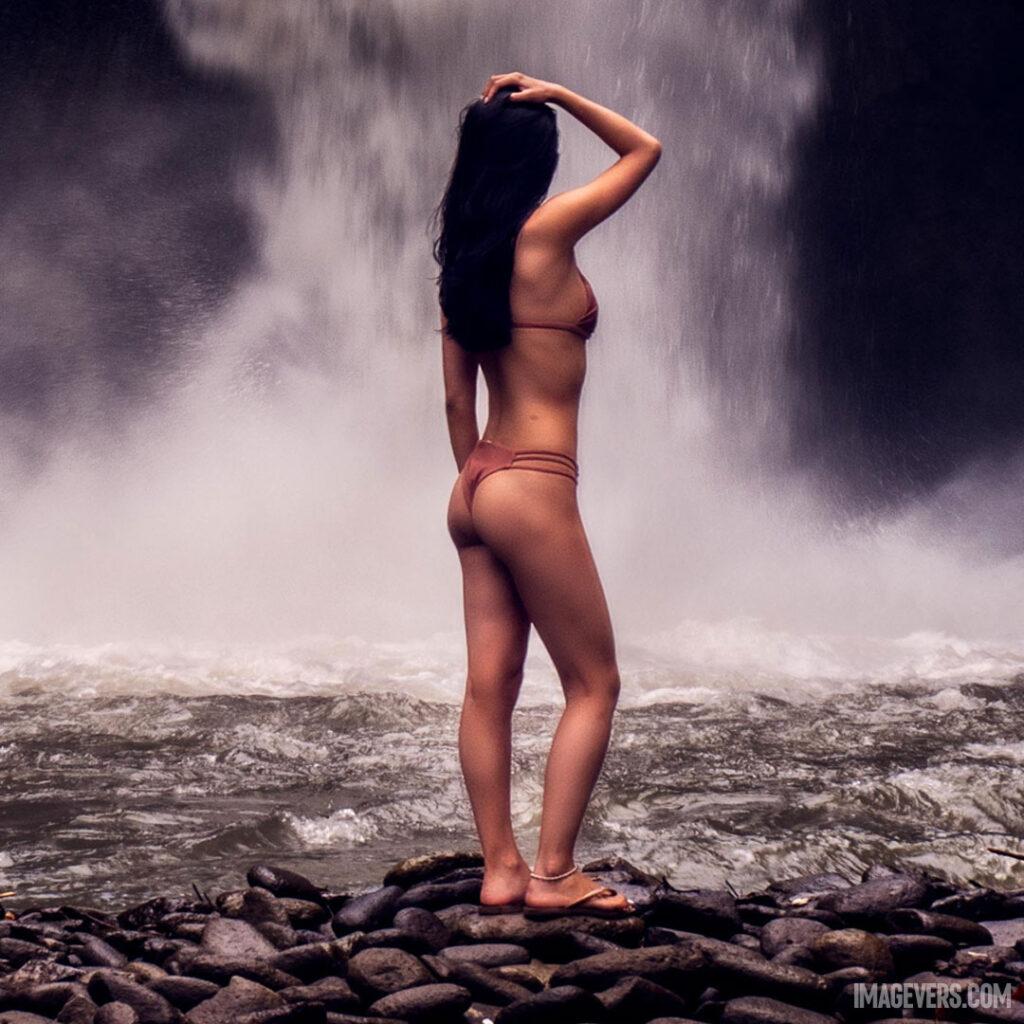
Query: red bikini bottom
{"points": [[488, 457]]}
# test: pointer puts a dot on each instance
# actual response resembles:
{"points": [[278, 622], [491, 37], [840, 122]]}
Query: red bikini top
{"points": [[583, 328]]}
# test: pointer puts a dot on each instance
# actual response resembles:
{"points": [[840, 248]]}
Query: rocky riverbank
{"points": [[416, 949]]}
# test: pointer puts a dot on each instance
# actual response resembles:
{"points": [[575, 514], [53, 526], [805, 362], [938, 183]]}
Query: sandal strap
{"points": [[555, 878], [601, 890]]}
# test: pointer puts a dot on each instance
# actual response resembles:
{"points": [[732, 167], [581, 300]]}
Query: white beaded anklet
{"points": [[555, 878]]}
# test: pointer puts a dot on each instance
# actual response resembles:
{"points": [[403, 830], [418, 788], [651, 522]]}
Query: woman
{"points": [[514, 305]]}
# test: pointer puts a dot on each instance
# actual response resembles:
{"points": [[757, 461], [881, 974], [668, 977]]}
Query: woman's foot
{"points": [[560, 893], [504, 883]]}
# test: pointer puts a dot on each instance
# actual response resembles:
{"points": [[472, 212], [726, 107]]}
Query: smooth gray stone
{"points": [[335, 993], [434, 895], [98, 953], [380, 972], [562, 1004], [958, 930], [535, 935], [636, 999], [705, 911], [425, 923], [795, 956], [868, 903], [238, 997], [223, 968], [393, 938], [225, 936], [762, 1010], [369, 910], [182, 992], [915, 952], [678, 968], [789, 931], [414, 870], [483, 983], [116, 1013], [441, 1002], [738, 974], [22, 1017], [77, 1010], [311, 961], [149, 1006], [1005, 933], [852, 947], [487, 954], [283, 883]]}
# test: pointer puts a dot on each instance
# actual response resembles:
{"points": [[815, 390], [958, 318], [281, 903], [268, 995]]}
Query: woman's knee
{"points": [[494, 690], [600, 685]]}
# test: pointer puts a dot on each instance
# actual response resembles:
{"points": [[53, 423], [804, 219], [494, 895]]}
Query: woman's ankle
{"points": [[555, 864]]}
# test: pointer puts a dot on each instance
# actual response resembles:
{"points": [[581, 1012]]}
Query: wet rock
{"points": [[425, 924], [434, 895], [22, 1017], [280, 936], [98, 953], [258, 906], [304, 913], [48, 999], [116, 1013], [440, 1002], [310, 1013], [414, 870], [957, 930], [706, 911], [533, 976], [239, 997], [676, 967], [852, 947], [225, 936], [370, 910], [77, 1010], [311, 961], [146, 915], [915, 952], [980, 959], [482, 983], [380, 972], [764, 1010], [222, 968], [795, 956], [789, 931], [487, 954], [974, 904], [335, 994], [537, 935], [637, 999], [18, 951], [184, 993], [866, 905], [283, 883], [395, 938], [563, 1004], [736, 973], [801, 888], [151, 1008], [1005, 932]]}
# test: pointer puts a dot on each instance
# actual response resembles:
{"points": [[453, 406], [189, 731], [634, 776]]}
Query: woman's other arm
{"points": [[460, 374], [571, 214]]}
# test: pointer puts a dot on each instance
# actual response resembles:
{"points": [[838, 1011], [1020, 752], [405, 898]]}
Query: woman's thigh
{"points": [[497, 625], [531, 521]]}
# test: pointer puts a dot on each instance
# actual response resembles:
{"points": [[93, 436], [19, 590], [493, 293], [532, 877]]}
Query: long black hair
{"points": [[506, 158]]}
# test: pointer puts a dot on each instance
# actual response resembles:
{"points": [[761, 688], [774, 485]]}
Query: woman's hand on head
{"points": [[533, 89]]}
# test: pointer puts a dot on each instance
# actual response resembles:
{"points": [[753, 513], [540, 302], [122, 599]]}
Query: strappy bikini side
{"points": [[583, 327]]}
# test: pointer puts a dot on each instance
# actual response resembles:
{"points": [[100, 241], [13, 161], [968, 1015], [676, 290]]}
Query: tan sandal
{"points": [[577, 907]]}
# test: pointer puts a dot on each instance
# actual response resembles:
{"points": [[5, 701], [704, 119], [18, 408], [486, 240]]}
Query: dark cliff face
{"points": [[121, 224], [908, 359]]}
